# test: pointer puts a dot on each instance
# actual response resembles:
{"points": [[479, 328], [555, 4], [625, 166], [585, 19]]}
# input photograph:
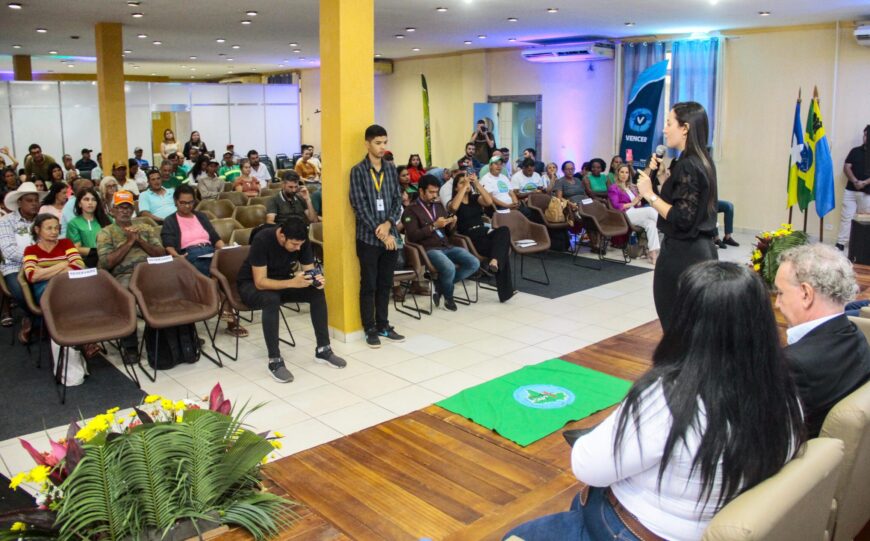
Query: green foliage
{"points": [[262, 514], [777, 246]]}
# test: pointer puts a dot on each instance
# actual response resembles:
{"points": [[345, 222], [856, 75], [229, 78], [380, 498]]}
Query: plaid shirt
{"points": [[14, 237], [364, 196]]}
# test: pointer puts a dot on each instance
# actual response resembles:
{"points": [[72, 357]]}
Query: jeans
{"points": [[202, 264], [593, 521], [852, 201], [726, 207], [270, 301], [445, 262], [854, 308], [15, 288], [376, 266]]}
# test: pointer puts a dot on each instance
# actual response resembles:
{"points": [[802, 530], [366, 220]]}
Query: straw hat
{"points": [[26, 188]]}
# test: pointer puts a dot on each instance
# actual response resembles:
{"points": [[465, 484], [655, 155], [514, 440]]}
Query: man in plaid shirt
{"points": [[376, 199]]}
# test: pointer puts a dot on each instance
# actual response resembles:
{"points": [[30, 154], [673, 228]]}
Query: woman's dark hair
{"points": [[199, 166], [191, 136], [411, 158], [56, 188], [566, 163], [294, 228], [51, 169], [38, 221], [711, 362], [600, 162], [693, 115], [456, 178], [399, 170], [183, 189], [99, 213], [131, 163], [611, 163], [9, 169]]}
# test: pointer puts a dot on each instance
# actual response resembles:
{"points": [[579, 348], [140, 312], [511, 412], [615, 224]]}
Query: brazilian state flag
{"points": [[799, 162], [823, 165]]}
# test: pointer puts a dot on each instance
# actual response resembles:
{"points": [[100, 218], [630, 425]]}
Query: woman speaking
{"points": [[685, 201]]}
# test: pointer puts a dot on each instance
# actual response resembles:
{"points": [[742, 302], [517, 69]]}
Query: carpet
{"points": [[535, 401], [11, 500], [32, 403], [567, 278]]}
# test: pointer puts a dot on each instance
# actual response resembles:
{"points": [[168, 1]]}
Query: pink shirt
{"points": [[192, 232]]}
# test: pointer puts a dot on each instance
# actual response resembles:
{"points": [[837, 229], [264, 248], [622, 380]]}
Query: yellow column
{"points": [[21, 67], [110, 90], [347, 100]]}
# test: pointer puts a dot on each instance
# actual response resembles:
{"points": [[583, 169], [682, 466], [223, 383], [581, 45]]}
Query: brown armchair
{"points": [[220, 208], [606, 223], [539, 202], [426, 270], [414, 261], [225, 228], [144, 220], [242, 237], [315, 234], [236, 198], [35, 310], [522, 229], [250, 215], [261, 200], [170, 295]]}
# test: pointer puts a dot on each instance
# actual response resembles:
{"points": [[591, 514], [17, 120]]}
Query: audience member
{"points": [[624, 197], [4, 151], [293, 201], [507, 168], [196, 142], [715, 416], [376, 198], [526, 180], [533, 154], [499, 186], [68, 166], [856, 196], [137, 175], [23, 205], [259, 170], [595, 181], [37, 163], [157, 201], [409, 191], [69, 209], [615, 162], [828, 356], [72, 175], [143, 163], [551, 175], [427, 224], [189, 233], [86, 164], [229, 170], [247, 183], [727, 208], [305, 166], [97, 172], [467, 203], [10, 180], [208, 183], [469, 155], [108, 188], [415, 168], [90, 219], [40, 184], [119, 172], [484, 142], [169, 145], [267, 280], [173, 172], [313, 160], [485, 169], [55, 200], [49, 255]]}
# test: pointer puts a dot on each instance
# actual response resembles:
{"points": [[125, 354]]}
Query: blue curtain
{"points": [[637, 57], [693, 74]]}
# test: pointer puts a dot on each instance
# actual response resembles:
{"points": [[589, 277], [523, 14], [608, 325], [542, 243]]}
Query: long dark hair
{"points": [[693, 115], [56, 188], [99, 213], [50, 173], [722, 355], [198, 167], [411, 158], [867, 150]]}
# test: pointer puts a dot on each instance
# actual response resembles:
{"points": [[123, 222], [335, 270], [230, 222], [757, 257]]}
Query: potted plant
{"points": [[765, 256]]}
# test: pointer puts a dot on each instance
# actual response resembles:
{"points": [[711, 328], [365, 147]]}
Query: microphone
{"points": [[660, 153]]}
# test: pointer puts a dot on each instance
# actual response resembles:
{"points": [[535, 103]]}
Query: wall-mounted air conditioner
{"points": [[862, 35], [577, 52]]}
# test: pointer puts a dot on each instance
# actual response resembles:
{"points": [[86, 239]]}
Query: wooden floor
{"points": [[434, 474]]}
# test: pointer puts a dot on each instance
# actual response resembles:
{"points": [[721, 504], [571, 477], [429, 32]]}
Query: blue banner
{"points": [[641, 114]]}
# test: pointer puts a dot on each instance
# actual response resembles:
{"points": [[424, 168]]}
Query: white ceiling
{"points": [[190, 28]]}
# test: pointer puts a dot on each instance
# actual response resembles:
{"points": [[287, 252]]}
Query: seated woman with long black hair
{"points": [[90, 219], [716, 415], [494, 243]]}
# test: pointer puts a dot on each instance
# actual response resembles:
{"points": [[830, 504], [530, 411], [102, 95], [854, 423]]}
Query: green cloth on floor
{"points": [[535, 401]]}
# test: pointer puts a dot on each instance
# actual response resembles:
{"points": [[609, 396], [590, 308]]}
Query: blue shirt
{"points": [[158, 205]]}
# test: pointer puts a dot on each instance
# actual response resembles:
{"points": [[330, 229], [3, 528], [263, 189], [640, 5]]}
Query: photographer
{"points": [[266, 281], [484, 142]]}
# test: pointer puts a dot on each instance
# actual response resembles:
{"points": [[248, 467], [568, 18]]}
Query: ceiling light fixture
{"points": [[222, 54], [400, 36], [293, 44], [552, 10], [246, 21], [512, 19], [440, 10], [251, 13], [482, 36], [133, 4], [467, 42], [52, 52], [192, 77], [221, 40], [41, 30], [236, 47], [378, 55], [183, 67], [512, 39], [153, 75], [193, 58], [70, 66], [142, 36], [231, 71], [135, 67], [138, 15], [297, 50], [764, 13], [157, 42], [629, 24], [253, 69], [416, 49], [127, 51], [230, 59], [16, 46], [410, 29], [14, 5]]}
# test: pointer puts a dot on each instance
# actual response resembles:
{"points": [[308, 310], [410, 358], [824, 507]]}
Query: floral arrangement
{"points": [[144, 475], [765, 256]]}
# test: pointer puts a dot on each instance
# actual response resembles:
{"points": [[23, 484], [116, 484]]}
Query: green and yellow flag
{"points": [[427, 132]]}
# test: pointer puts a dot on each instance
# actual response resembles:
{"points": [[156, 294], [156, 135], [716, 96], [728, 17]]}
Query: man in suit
{"points": [[828, 356]]}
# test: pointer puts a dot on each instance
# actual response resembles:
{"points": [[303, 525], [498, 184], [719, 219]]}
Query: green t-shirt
{"points": [[175, 181], [598, 183], [81, 231], [230, 174]]}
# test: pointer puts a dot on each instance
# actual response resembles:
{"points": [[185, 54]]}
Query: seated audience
{"points": [[195, 142], [469, 155], [37, 163], [615, 162], [15, 236], [595, 181], [715, 416], [55, 200], [827, 355], [40, 184], [86, 164], [625, 198], [143, 163], [426, 223], [169, 145], [409, 191], [68, 165], [526, 180], [10, 180], [468, 201], [247, 183], [209, 183], [485, 169], [119, 172], [108, 188], [533, 154], [72, 175], [188, 163], [197, 169], [499, 186], [137, 175], [569, 188], [55, 174], [229, 170], [292, 201], [156, 202], [314, 160], [506, 160], [726, 207], [259, 170], [415, 169], [90, 219], [13, 163], [266, 280], [69, 209], [97, 172], [305, 166], [551, 175]]}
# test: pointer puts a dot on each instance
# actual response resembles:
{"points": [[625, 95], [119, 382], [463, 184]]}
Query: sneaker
{"points": [[449, 304], [329, 358], [436, 299], [840, 247], [279, 371], [731, 242], [721, 244], [372, 340], [390, 334]]}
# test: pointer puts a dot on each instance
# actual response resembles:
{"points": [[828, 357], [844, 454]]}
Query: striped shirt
{"points": [[64, 251], [364, 196], [14, 238]]}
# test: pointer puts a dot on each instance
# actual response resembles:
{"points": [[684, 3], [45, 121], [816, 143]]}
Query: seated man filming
{"points": [[266, 280], [427, 224]]}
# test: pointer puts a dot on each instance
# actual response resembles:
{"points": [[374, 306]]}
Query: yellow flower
{"points": [[132, 414], [151, 398], [180, 405], [756, 254], [86, 433], [276, 444], [17, 480], [264, 460], [167, 404], [18, 527], [757, 267], [39, 474], [113, 410], [278, 434]]}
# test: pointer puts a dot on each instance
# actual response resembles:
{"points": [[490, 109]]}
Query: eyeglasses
{"points": [[184, 203]]}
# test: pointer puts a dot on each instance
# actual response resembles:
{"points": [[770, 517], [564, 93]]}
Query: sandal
{"points": [[92, 350], [7, 321], [234, 329]]}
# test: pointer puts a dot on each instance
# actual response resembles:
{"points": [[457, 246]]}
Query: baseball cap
{"points": [[118, 164], [87, 150], [496, 159], [214, 161], [137, 149], [122, 197]]}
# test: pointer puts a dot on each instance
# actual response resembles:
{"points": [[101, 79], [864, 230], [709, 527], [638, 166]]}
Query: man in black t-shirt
{"points": [[857, 193], [266, 281]]}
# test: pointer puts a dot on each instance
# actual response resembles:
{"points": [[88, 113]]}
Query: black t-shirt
{"points": [[267, 252], [469, 215], [857, 158]]}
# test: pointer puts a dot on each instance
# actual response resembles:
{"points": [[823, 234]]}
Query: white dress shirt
{"points": [[794, 334]]}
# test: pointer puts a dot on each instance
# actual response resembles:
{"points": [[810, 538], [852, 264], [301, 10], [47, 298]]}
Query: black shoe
{"points": [[840, 247], [279, 371], [390, 334], [731, 242], [720, 244], [436, 299], [329, 358], [449, 304], [372, 340], [130, 355]]}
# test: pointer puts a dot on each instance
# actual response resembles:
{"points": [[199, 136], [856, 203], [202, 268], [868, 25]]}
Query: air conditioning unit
{"points": [[862, 35], [577, 52]]}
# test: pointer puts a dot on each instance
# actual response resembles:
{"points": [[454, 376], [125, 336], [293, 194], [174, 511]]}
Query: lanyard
{"points": [[432, 214], [377, 181]]}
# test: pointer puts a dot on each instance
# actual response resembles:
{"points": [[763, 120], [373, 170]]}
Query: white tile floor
{"points": [[444, 354]]}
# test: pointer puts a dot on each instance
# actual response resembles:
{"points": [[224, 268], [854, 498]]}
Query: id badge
{"points": [[439, 233], [380, 205]]}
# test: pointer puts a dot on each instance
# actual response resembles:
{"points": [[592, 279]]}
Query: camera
{"points": [[314, 272]]}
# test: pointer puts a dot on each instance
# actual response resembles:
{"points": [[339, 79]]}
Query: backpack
{"points": [[555, 211], [174, 345]]}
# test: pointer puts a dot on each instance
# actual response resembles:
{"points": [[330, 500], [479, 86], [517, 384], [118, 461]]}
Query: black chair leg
{"points": [[156, 354], [544, 282], [217, 359], [213, 336], [292, 341], [416, 313], [61, 367]]}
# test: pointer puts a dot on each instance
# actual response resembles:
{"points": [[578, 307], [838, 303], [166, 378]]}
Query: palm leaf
{"points": [[243, 456], [204, 435], [777, 247], [262, 514]]}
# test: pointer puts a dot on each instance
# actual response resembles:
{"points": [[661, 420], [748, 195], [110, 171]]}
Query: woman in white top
{"points": [[624, 197], [717, 414], [169, 145]]}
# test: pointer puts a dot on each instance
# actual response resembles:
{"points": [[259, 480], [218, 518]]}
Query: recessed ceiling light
{"points": [[410, 29], [764, 13], [440, 10], [14, 5], [301, 57], [629, 24], [193, 58], [192, 69], [512, 19], [378, 55], [221, 40], [253, 69], [142, 36], [70, 66], [137, 15], [416, 49], [157, 42], [183, 67], [482, 36], [127, 51], [251, 13], [208, 74], [297, 50], [467, 42], [16, 46], [153, 74], [133, 3], [231, 71], [293, 44], [512, 39], [41, 30], [400, 36], [552, 10], [135, 67], [246, 21], [236, 47], [192, 77], [230, 59], [52, 52], [123, 56]]}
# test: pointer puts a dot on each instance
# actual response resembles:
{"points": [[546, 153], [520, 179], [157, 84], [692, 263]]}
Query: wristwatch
{"points": [[653, 198]]}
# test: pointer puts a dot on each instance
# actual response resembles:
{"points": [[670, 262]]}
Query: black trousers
{"points": [[376, 266], [675, 257], [496, 244], [270, 301]]}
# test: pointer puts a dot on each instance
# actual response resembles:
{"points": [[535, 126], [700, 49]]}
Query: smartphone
{"points": [[317, 270]]}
